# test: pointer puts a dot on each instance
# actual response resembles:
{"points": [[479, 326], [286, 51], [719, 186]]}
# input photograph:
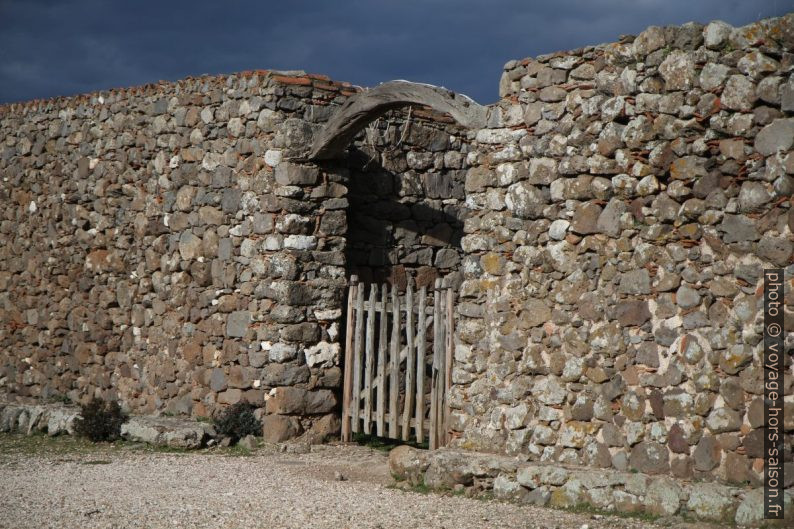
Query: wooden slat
{"points": [[404, 350], [450, 346], [381, 389], [370, 353], [421, 344], [394, 366], [358, 349], [410, 365], [411, 421], [442, 367], [433, 442], [347, 388]]}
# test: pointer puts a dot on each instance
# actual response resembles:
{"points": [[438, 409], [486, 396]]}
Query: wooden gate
{"points": [[398, 362]]}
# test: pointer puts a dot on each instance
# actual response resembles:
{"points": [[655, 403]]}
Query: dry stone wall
{"points": [[621, 212], [160, 247], [169, 246], [406, 193]]}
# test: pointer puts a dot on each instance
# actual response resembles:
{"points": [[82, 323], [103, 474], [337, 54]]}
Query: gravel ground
{"points": [[65, 483]]}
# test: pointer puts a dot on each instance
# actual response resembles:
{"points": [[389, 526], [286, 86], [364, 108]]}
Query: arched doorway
{"points": [[401, 151]]}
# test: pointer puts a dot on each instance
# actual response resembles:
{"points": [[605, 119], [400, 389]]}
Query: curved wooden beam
{"points": [[367, 106]]}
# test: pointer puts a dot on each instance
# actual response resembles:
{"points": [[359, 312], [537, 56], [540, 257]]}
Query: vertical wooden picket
{"points": [[346, 386], [421, 344], [409, 361], [358, 349], [450, 346], [369, 354], [381, 378], [434, 396], [394, 362]]}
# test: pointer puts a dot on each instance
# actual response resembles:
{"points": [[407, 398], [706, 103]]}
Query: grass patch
{"points": [[40, 443], [459, 492], [74, 448], [421, 488], [235, 451]]}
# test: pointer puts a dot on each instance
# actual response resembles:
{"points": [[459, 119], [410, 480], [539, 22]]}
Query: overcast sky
{"points": [[64, 47]]}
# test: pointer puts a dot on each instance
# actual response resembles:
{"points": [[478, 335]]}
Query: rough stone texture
{"points": [[55, 420], [174, 258], [777, 136], [278, 428], [645, 251], [712, 502], [167, 431], [606, 233], [409, 463], [187, 265], [551, 484], [46, 418]]}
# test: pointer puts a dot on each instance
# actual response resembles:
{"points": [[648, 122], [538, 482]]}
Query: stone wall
{"points": [[406, 200], [169, 246], [621, 214], [160, 248], [567, 486]]}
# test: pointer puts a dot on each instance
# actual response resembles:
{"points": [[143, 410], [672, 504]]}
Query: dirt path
{"points": [[65, 483]]}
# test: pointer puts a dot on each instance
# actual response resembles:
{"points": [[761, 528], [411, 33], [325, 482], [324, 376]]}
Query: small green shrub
{"points": [[237, 421], [100, 421]]}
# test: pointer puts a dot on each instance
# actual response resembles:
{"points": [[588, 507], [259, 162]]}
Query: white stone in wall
{"points": [[333, 331], [300, 242], [273, 157], [328, 314], [495, 136], [211, 161], [282, 352], [196, 137], [273, 243], [248, 248], [558, 229], [648, 186], [510, 153], [324, 353], [207, 115], [716, 34]]}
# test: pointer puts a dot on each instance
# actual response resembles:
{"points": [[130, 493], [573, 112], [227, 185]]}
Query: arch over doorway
{"points": [[367, 106]]}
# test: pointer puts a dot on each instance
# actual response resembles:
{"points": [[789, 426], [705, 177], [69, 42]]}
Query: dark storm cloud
{"points": [[50, 48]]}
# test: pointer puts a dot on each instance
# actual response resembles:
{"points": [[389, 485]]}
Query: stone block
{"points": [[237, 324], [288, 174], [297, 401], [279, 428]]}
